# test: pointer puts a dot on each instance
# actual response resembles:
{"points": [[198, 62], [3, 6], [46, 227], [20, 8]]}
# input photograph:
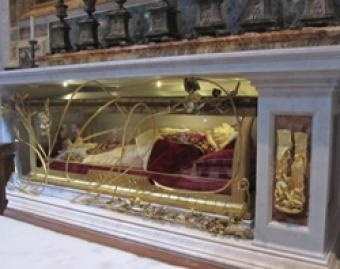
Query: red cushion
{"points": [[169, 157], [216, 165]]}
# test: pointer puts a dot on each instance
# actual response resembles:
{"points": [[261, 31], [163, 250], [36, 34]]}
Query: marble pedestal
{"points": [[293, 82], [313, 95]]}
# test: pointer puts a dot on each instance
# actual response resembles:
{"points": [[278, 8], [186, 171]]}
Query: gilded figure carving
{"points": [[291, 171], [291, 178]]}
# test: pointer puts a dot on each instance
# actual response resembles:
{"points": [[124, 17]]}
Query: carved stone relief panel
{"points": [[319, 13], [259, 16], [291, 169], [210, 19], [292, 12]]}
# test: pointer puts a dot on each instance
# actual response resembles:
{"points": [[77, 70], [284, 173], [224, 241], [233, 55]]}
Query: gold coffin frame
{"points": [[129, 186]]}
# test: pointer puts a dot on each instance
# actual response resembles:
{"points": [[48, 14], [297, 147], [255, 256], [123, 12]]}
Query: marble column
{"points": [[4, 53], [4, 33], [297, 95]]}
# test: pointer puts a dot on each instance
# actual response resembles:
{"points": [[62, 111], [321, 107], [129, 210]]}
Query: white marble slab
{"points": [[26, 246], [224, 250]]}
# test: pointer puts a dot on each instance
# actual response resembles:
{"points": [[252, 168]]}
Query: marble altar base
{"points": [[55, 204]]}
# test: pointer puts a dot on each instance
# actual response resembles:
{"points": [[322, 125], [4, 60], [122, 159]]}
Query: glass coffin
{"points": [[188, 149]]}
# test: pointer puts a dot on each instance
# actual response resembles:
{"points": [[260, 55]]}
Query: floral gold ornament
{"points": [[213, 224]]}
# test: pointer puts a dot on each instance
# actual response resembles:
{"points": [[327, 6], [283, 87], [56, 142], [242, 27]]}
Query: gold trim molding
{"points": [[138, 187]]}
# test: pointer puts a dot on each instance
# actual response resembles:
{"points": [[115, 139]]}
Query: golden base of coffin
{"points": [[139, 187]]}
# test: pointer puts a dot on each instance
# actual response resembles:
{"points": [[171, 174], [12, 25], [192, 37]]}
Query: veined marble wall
{"points": [[288, 14], [43, 12]]}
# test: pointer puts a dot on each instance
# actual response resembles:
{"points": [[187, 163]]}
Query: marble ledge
{"points": [[269, 68], [305, 37], [226, 251]]}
